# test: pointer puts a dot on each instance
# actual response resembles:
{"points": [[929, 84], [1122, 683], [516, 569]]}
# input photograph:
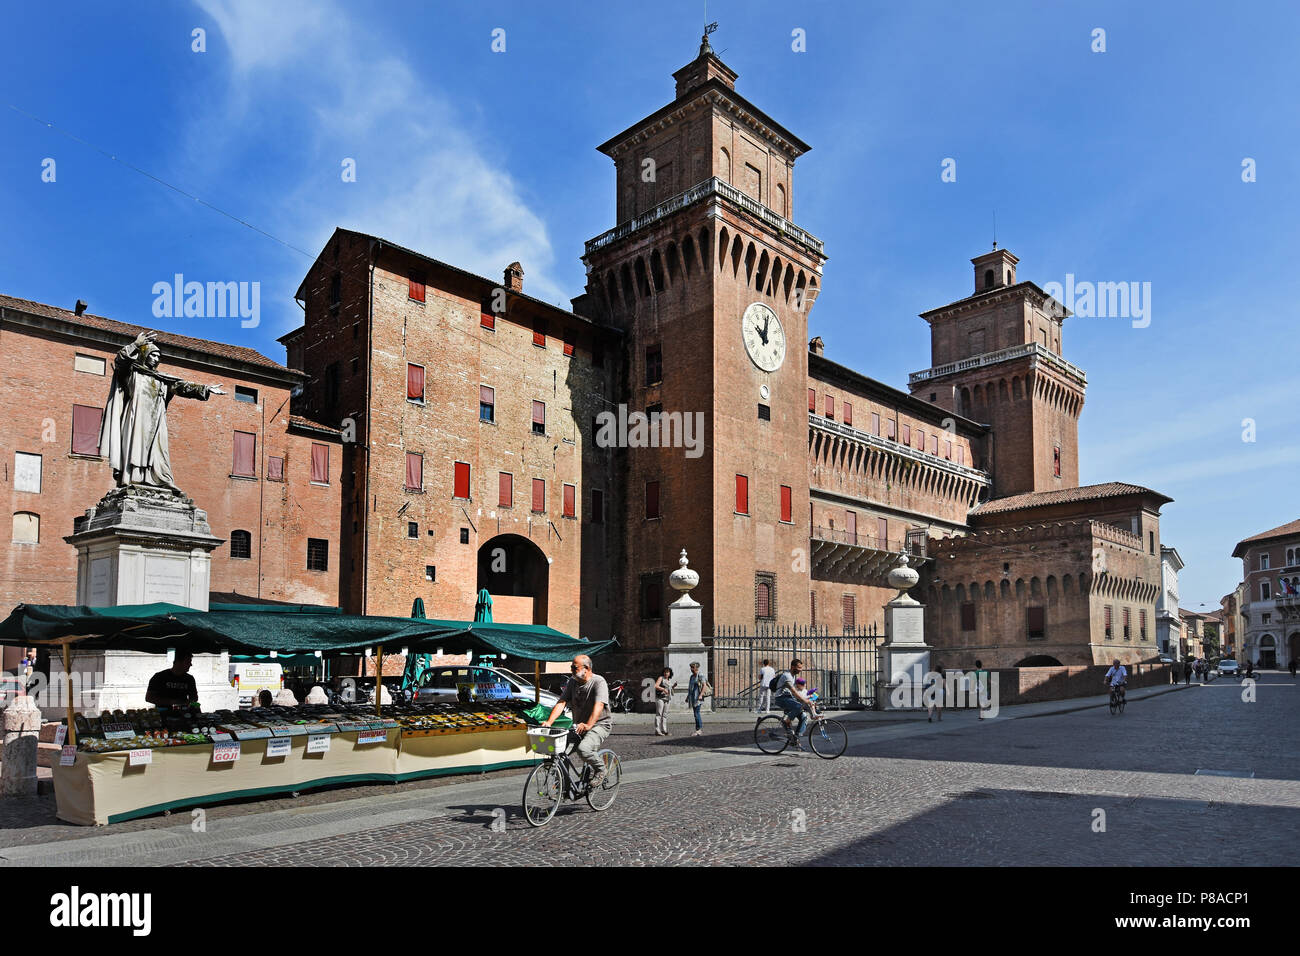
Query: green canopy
{"points": [[255, 629]]}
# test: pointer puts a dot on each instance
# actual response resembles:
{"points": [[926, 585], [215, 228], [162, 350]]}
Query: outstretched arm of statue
{"points": [[195, 390]]}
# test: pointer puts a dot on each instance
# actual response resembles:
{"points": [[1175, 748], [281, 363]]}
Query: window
{"points": [[568, 343], [570, 501], [505, 490], [487, 320], [245, 394], [415, 383], [1109, 633], [1263, 562], [336, 290], [320, 464], [539, 333], [849, 612], [764, 597], [1035, 623], [332, 384], [464, 535], [882, 534], [787, 503], [1056, 460], [875, 424], [812, 607], [742, 495], [539, 418], [1127, 628], [1151, 542], [26, 527], [890, 427], [414, 471], [851, 526], [415, 289], [487, 399], [1142, 624], [460, 480], [430, 572], [91, 364], [907, 434], [275, 469], [968, 616], [1265, 591], [830, 407], [27, 472], [764, 412], [539, 495], [651, 499], [652, 589], [654, 365], [920, 440], [848, 414], [934, 446], [812, 400], [245, 455], [318, 554], [597, 507], [988, 278], [86, 422], [241, 544], [412, 529], [961, 454]]}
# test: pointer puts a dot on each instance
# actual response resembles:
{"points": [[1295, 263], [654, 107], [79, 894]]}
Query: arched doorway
{"points": [[1039, 660], [517, 575], [1267, 653]]}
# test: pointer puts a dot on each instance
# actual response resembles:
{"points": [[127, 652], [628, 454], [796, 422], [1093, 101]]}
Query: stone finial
{"points": [[903, 577], [683, 579]]}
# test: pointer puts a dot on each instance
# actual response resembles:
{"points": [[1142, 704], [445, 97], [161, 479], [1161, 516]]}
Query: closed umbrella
{"points": [[416, 664], [483, 609]]}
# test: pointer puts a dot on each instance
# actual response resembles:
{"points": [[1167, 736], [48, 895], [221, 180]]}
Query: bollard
{"points": [[22, 719]]}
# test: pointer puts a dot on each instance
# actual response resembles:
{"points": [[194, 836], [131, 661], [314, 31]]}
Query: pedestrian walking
{"points": [[663, 697], [1291, 667], [695, 696], [766, 673], [1187, 673], [1173, 673], [981, 687], [936, 695]]}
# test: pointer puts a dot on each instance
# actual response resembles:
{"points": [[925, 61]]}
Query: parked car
{"points": [[440, 683], [1165, 659], [1227, 667]]}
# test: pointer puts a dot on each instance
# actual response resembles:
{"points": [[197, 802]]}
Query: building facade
{"points": [[1270, 610], [1168, 628]]}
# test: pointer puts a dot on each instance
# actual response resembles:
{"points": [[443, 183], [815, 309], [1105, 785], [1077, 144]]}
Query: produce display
{"points": [[418, 720]]}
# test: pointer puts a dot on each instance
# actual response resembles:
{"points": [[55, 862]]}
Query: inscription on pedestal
{"points": [[908, 626], [101, 585], [165, 580]]}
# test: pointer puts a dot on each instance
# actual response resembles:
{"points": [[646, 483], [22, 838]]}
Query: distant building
{"points": [[1271, 608], [1234, 625], [1168, 626]]}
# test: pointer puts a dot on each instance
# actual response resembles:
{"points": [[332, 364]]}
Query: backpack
{"points": [[772, 684]]}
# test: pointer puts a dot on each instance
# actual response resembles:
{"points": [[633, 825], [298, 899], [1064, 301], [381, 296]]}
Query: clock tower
{"points": [[712, 283]]}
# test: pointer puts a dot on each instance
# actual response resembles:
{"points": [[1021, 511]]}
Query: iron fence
{"points": [[842, 667]]}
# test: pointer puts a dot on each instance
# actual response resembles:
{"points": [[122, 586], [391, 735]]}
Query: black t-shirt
{"points": [[173, 688]]}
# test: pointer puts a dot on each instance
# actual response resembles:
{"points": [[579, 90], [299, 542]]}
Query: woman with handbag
{"points": [[663, 696], [698, 689]]}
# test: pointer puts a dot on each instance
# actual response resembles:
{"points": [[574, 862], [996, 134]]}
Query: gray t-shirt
{"points": [[784, 684], [582, 699]]}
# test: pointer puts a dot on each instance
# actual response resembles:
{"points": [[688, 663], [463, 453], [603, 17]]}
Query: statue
{"points": [[134, 434]]}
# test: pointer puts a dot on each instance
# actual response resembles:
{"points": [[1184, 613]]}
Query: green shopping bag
{"points": [[538, 713]]}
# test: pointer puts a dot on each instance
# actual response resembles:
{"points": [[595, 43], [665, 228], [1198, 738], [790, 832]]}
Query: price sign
{"points": [[60, 734], [67, 756], [372, 736], [220, 738], [279, 747], [139, 758], [118, 731], [225, 753], [318, 743]]}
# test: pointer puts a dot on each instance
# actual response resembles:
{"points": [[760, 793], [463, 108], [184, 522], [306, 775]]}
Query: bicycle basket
{"points": [[547, 741]]}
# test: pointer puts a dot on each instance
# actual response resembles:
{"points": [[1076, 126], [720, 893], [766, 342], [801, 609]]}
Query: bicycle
{"points": [[827, 738], [554, 780], [1117, 699]]}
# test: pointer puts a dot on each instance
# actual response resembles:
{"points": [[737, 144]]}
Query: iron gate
{"points": [[841, 667]]}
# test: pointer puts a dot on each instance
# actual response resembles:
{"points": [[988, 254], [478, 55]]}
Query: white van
{"points": [[250, 678]]}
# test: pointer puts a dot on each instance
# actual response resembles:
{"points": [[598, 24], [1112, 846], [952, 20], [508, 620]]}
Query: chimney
{"points": [[514, 277], [81, 307], [817, 346]]}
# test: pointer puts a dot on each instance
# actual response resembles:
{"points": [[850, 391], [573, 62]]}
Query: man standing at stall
{"points": [[174, 687], [588, 695]]}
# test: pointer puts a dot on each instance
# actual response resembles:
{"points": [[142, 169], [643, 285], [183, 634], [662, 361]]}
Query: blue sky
{"points": [[1123, 165]]}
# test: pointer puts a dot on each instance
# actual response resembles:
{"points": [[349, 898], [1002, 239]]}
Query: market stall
{"points": [[116, 766]]}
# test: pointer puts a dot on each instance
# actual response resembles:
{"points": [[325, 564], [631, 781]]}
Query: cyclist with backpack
{"points": [[793, 699]]}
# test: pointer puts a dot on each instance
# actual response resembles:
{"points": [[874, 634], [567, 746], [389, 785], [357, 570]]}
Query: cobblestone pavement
{"points": [[1081, 788]]}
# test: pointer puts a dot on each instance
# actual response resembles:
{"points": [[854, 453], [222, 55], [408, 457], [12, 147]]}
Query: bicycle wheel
{"points": [[1114, 705], [828, 739], [770, 734], [1122, 700], [543, 794], [602, 798]]}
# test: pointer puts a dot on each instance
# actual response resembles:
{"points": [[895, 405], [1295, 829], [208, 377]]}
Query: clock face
{"points": [[764, 337]]}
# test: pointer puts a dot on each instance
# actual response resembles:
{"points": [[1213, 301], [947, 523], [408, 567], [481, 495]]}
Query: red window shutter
{"points": [[920, 440], [539, 494], [487, 320], [570, 500], [568, 343], [968, 617], [539, 413], [961, 454], [812, 399], [506, 483], [462, 480], [415, 382], [830, 406], [1036, 620], [851, 526], [812, 606], [487, 395], [848, 414], [849, 611], [764, 600], [787, 504], [652, 499], [414, 471], [86, 422], [742, 495], [275, 469], [539, 334], [416, 289], [934, 446], [245, 454], [320, 463], [875, 423], [890, 429], [907, 434], [882, 534]]}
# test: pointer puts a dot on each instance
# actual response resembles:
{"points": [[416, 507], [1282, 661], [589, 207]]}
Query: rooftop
{"points": [[1042, 499], [1288, 530]]}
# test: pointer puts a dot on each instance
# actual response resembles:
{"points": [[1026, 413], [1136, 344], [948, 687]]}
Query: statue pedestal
{"points": [[904, 657], [685, 646], [138, 546]]}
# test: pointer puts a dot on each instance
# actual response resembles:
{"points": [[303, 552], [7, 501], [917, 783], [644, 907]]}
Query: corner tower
{"points": [[712, 282], [996, 357]]}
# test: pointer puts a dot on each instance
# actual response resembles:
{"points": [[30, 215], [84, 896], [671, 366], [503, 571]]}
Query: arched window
{"points": [[724, 165], [27, 527], [241, 544], [779, 200], [988, 278]]}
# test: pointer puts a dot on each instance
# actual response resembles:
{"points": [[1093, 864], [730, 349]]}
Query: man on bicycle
{"points": [[793, 700], [1117, 677], [588, 695]]}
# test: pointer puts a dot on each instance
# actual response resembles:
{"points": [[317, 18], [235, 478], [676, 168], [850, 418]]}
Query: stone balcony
{"points": [[856, 558], [1036, 351]]}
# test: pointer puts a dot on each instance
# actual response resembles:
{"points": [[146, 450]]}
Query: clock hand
{"points": [[762, 333]]}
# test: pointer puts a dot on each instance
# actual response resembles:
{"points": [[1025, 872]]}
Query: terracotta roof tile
{"points": [[303, 422], [1040, 499], [1281, 531], [220, 349]]}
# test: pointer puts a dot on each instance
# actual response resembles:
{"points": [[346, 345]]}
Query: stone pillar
{"points": [[904, 657], [18, 763], [685, 635]]}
